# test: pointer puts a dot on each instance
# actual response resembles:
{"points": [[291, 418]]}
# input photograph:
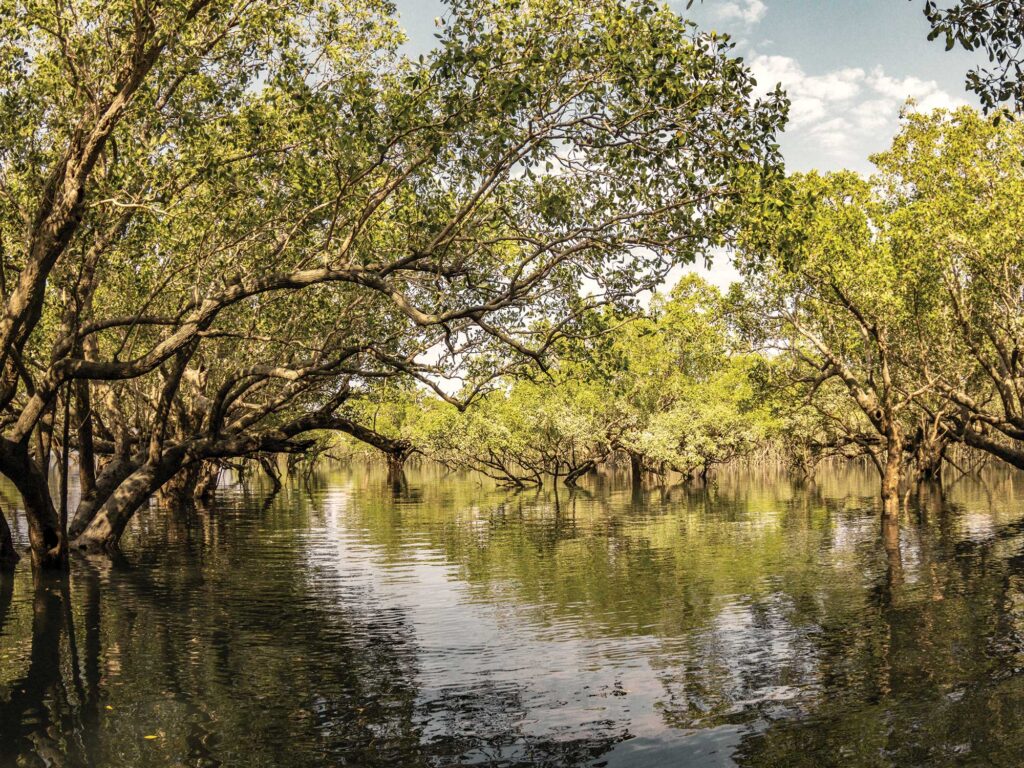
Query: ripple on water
{"points": [[747, 623]]}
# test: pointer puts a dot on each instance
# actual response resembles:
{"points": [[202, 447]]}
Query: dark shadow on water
{"points": [[44, 709], [6, 596]]}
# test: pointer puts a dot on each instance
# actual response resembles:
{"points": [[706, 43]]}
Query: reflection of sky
{"points": [[566, 673], [687, 663], [467, 646], [752, 622]]}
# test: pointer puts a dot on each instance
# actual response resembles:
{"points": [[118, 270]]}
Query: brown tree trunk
{"points": [[108, 525], [580, 471], [930, 456], [46, 538], [8, 555], [209, 475], [396, 468], [113, 474], [636, 468], [180, 490], [269, 464], [83, 425], [892, 473]]}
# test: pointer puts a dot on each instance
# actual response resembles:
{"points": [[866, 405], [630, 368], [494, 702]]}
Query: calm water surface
{"points": [[749, 623]]}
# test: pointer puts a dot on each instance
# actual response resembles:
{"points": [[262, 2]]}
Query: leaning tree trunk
{"points": [[108, 481], [580, 471], [104, 533], [8, 555], [271, 469], [46, 538]]}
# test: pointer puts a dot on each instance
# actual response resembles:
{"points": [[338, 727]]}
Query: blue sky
{"points": [[848, 66]]}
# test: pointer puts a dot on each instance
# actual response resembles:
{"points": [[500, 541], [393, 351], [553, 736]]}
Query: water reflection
{"points": [[350, 621]]}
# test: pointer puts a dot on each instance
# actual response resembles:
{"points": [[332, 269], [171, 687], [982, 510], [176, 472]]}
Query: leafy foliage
{"points": [[670, 388], [222, 221], [995, 27]]}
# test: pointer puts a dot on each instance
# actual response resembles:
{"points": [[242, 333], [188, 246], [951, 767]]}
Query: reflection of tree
{"points": [[658, 566], [774, 607], [45, 705], [6, 597], [212, 641], [210, 644], [928, 673], [776, 610]]}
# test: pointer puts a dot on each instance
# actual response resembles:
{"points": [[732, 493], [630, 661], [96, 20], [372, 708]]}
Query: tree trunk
{"points": [[83, 425], [104, 533], [396, 468], [269, 464], [930, 457], [892, 474], [580, 471], [636, 467], [8, 555], [48, 544], [113, 474], [209, 476], [180, 490], [801, 465]]}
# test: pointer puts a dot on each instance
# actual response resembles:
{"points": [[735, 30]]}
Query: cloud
{"points": [[748, 12], [841, 116]]}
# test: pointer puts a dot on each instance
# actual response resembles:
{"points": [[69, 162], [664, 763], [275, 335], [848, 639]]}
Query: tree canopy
{"points": [[223, 219], [994, 27]]}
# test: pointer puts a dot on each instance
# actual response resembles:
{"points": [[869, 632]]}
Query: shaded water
{"points": [[748, 623]]}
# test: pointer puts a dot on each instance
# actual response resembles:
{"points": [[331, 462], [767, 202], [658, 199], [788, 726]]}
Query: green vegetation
{"points": [[223, 222], [877, 317], [669, 389], [992, 26], [231, 230]]}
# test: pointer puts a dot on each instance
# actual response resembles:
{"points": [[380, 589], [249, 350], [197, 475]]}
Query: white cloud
{"points": [[748, 12], [838, 118], [926, 93]]}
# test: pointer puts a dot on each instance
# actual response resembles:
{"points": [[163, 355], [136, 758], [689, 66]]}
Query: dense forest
{"points": [[231, 230]]}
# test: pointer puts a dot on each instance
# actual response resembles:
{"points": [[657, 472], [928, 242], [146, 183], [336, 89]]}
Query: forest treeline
{"points": [[231, 227], [877, 317]]}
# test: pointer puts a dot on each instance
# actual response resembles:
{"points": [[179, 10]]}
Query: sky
{"points": [[848, 67]]}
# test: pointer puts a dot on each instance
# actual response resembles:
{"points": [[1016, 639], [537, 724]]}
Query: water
{"points": [[749, 623]]}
